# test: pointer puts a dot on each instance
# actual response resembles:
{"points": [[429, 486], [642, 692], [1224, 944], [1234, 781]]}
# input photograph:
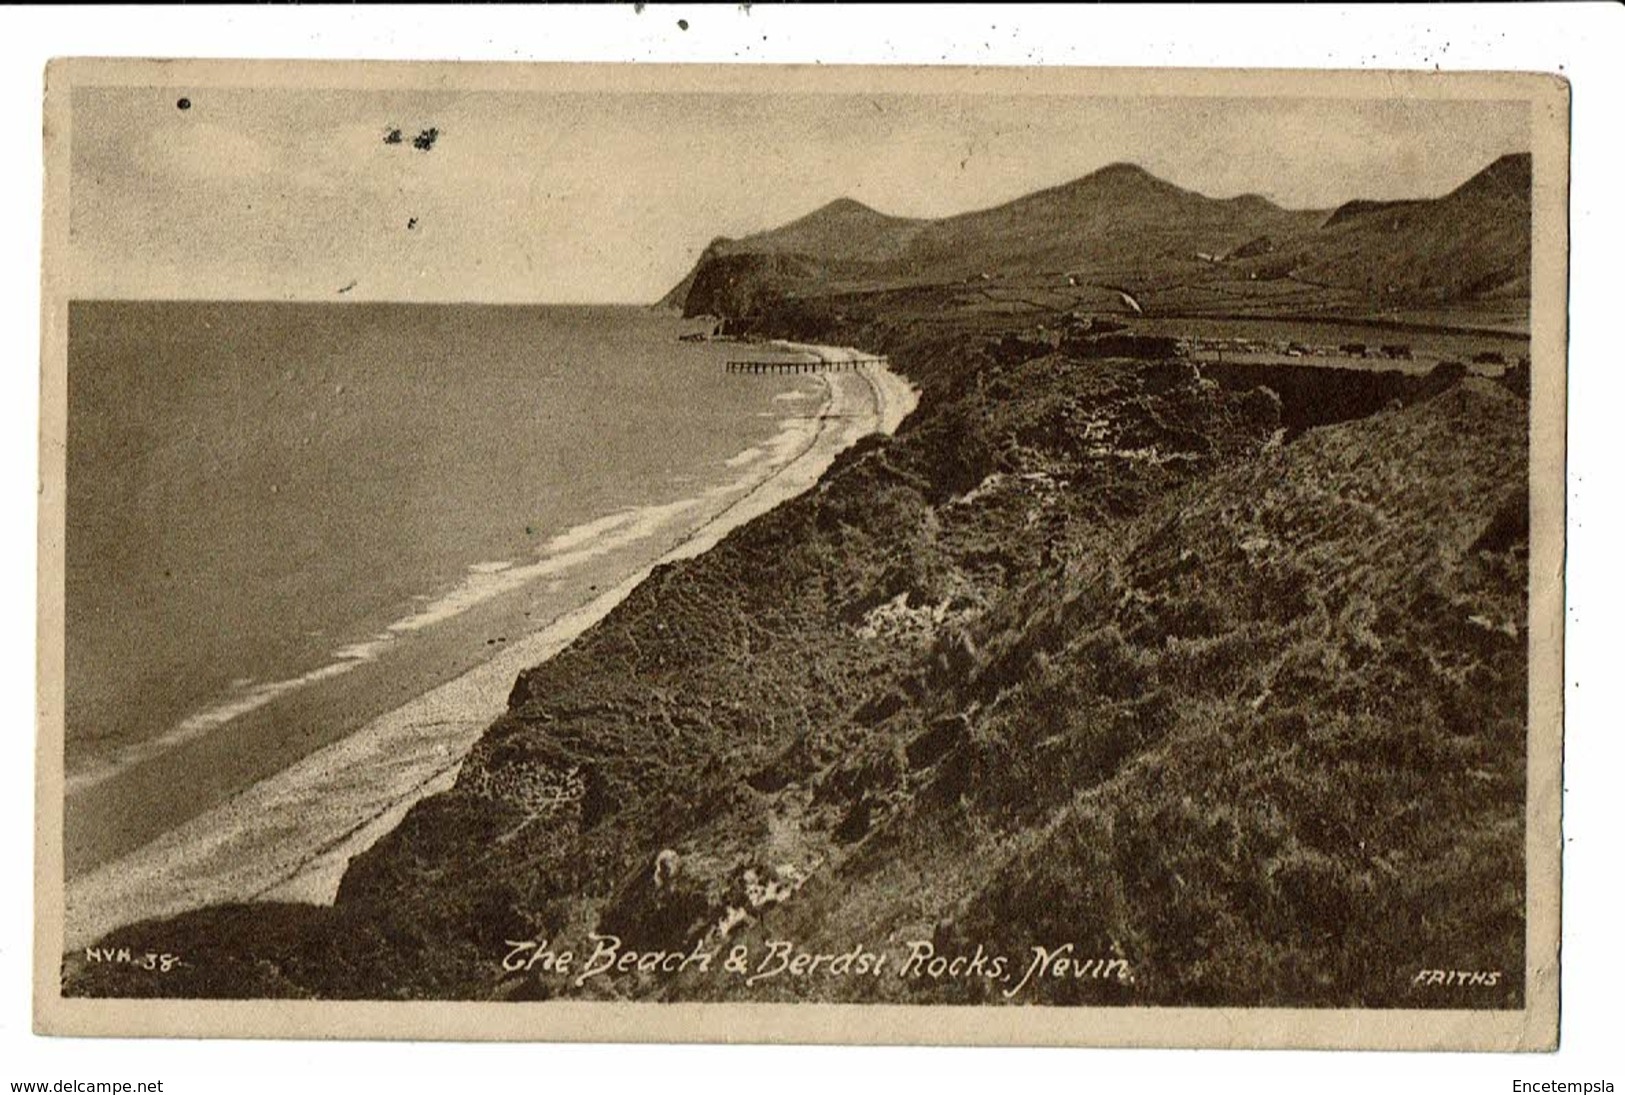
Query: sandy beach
{"points": [[291, 836]]}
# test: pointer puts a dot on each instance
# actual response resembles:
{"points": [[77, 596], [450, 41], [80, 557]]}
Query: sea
{"points": [[265, 499]]}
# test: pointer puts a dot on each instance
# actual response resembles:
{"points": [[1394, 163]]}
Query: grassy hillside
{"points": [[1266, 747]]}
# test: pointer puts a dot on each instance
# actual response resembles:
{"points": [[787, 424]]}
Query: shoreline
{"points": [[291, 836]]}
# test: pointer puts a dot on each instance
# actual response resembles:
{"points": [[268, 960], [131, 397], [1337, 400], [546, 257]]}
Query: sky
{"points": [[601, 197]]}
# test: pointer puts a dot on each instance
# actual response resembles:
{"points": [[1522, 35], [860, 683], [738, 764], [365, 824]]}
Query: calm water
{"points": [[262, 495]]}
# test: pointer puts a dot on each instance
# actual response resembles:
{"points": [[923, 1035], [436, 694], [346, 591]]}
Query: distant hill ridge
{"points": [[1124, 223]]}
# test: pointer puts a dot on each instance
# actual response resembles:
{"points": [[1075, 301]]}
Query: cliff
{"points": [[1220, 682]]}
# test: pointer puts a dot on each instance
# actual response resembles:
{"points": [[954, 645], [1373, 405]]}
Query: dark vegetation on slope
{"points": [[1222, 679]]}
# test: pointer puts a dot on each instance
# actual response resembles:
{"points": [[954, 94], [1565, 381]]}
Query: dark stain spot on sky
{"points": [[682, 24], [423, 142], [411, 223], [183, 103]]}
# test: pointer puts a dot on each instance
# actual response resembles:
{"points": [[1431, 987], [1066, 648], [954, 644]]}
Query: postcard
{"points": [[815, 554]]}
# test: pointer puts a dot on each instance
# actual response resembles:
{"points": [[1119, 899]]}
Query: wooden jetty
{"points": [[775, 367]]}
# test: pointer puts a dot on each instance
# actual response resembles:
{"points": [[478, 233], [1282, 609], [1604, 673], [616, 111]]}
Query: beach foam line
{"points": [[483, 581], [202, 722], [291, 837], [585, 543], [590, 530], [746, 456]]}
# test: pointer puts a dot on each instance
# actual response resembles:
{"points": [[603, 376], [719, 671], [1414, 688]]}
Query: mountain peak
{"points": [[1121, 170], [845, 206], [842, 214], [1117, 181], [843, 230]]}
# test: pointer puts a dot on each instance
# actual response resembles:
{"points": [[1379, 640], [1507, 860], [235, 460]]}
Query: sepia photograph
{"points": [[860, 554]]}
